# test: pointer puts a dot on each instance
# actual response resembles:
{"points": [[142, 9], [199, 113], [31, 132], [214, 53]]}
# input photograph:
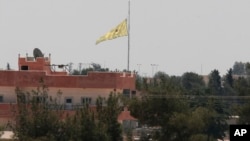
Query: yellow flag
{"points": [[119, 31]]}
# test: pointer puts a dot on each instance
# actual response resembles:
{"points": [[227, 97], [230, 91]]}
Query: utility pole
{"points": [[153, 65], [128, 34], [80, 67]]}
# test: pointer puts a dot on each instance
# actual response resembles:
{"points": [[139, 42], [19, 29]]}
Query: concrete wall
{"points": [[76, 93], [39, 63], [9, 95]]}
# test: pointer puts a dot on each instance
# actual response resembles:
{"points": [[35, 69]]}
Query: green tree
{"points": [[247, 68], [198, 124], [244, 114], [80, 71], [229, 78], [39, 117], [85, 127], [199, 137], [228, 83], [241, 86], [178, 123], [75, 72], [108, 111], [165, 105], [214, 83], [219, 113], [139, 82], [192, 83], [33, 117], [156, 110], [162, 84], [194, 125], [239, 68]]}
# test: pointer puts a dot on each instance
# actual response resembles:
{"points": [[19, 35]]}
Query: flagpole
{"points": [[128, 33]]}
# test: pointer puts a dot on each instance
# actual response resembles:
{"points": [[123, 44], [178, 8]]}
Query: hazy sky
{"points": [[177, 35]]}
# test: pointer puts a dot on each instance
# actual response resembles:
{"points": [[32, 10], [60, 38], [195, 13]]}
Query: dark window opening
{"points": [[1, 99], [68, 100], [133, 93], [126, 92], [24, 68]]}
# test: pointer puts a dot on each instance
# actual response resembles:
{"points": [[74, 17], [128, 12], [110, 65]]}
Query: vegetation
{"points": [[33, 117], [188, 109], [183, 108], [39, 117], [84, 71], [239, 68]]}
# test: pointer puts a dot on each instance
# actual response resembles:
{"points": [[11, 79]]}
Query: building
{"points": [[75, 89], [127, 120]]}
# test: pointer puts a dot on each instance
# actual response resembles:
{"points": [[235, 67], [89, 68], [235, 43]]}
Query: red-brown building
{"points": [[76, 89], [127, 120]]}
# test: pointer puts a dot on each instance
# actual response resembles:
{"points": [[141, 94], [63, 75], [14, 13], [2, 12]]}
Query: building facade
{"points": [[74, 89]]}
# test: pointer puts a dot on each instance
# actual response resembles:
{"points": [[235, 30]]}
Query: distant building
{"points": [[127, 120], [76, 89]]}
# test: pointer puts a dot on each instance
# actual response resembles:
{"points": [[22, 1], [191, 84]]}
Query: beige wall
{"points": [[8, 94], [76, 94]]}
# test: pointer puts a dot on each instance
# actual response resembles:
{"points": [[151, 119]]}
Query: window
{"points": [[68, 100], [133, 93], [24, 68], [1, 99], [126, 92], [68, 103], [86, 100]]}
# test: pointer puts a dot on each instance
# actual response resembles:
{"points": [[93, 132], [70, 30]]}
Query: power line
{"points": [[197, 97]]}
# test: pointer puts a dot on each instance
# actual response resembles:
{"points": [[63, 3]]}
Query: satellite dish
{"points": [[37, 53]]}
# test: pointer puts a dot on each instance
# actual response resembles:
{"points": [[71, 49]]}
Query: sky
{"points": [[177, 36]]}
